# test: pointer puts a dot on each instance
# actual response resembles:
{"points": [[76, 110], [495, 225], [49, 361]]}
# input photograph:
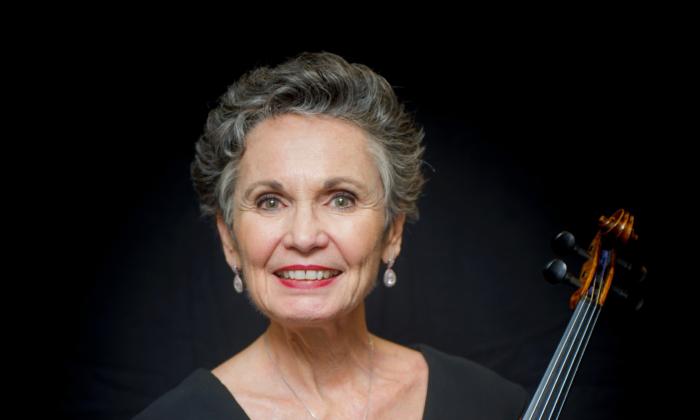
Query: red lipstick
{"points": [[305, 267], [307, 284]]}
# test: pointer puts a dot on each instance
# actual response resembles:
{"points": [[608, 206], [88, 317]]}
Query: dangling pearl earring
{"points": [[389, 275], [237, 282]]}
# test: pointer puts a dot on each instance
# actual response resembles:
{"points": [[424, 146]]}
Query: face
{"points": [[291, 208]]}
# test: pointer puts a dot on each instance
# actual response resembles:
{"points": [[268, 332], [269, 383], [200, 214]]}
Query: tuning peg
{"points": [[565, 244], [556, 271]]}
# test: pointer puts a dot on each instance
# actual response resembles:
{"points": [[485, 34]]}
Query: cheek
{"points": [[359, 242], [257, 242]]}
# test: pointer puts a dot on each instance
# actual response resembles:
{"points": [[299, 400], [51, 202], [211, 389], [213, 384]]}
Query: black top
{"points": [[457, 389]]}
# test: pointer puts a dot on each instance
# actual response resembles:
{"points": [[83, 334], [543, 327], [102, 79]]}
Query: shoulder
{"points": [[458, 384], [200, 395]]}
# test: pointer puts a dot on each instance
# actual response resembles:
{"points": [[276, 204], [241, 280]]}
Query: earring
{"points": [[389, 275], [237, 282]]}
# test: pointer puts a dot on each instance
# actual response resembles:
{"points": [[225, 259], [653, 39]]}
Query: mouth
{"points": [[307, 279], [307, 275]]}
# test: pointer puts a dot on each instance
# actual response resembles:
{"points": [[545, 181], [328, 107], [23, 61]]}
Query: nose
{"points": [[305, 231]]}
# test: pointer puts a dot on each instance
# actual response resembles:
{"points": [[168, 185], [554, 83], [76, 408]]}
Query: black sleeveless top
{"points": [[457, 389]]}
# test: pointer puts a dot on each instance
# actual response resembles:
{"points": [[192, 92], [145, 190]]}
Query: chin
{"points": [[298, 315], [302, 321]]}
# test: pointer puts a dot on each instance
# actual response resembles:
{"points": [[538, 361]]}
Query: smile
{"points": [[299, 279], [307, 274]]}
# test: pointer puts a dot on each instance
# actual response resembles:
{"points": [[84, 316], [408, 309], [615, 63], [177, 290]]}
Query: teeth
{"points": [[307, 275]]}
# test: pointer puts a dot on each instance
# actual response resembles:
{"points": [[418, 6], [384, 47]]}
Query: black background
{"points": [[529, 133]]}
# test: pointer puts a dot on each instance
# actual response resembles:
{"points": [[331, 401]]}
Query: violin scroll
{"points": [[620, 226]]}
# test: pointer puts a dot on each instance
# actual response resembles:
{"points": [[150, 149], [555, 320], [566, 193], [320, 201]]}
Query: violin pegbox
{"points": [[602, 258]]}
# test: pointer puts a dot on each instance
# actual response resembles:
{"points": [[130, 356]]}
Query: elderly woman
{"points": [[310, 170]]}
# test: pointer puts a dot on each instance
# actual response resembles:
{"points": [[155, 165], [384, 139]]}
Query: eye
{"points": [[344, 200], [268, 202]]}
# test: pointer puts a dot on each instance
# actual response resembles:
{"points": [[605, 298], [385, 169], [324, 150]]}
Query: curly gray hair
{"points": [[311, 84]]}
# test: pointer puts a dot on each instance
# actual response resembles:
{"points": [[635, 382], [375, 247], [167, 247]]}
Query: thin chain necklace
{"points": [[371, 374]]}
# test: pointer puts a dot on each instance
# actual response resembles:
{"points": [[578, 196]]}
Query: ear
{"points": [[392, 247], [227, 242]]}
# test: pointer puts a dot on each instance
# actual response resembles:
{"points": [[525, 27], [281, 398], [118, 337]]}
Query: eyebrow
{"points": [[329, 183]]}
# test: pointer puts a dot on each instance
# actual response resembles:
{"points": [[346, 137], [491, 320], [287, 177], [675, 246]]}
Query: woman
{"points": [[310, 170]]}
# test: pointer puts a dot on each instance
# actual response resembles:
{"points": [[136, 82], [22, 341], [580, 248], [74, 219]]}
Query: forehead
{"points": [[313, 147]]}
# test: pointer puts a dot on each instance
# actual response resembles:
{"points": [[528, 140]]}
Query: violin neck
{"points": [[553, 389]]}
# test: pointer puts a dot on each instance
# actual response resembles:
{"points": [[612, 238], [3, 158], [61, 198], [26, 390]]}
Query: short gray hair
{"points": [[311, 84]]}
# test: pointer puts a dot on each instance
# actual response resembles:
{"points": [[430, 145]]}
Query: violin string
{"points": [[561, 382], [563, 361], [537, 407], [553, 401], [578, 357], [583, 344], [547, 406], [583, 310], [589, 319], [574, 345]]}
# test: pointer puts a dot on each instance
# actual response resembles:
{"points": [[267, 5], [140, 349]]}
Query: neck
{"points": [[326, 360]]}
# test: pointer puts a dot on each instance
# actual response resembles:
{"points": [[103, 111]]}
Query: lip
{"points": [[307, 284], [305, 267]]}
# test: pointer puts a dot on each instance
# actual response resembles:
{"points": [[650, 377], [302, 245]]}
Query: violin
{"points": [[594, 284]]}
